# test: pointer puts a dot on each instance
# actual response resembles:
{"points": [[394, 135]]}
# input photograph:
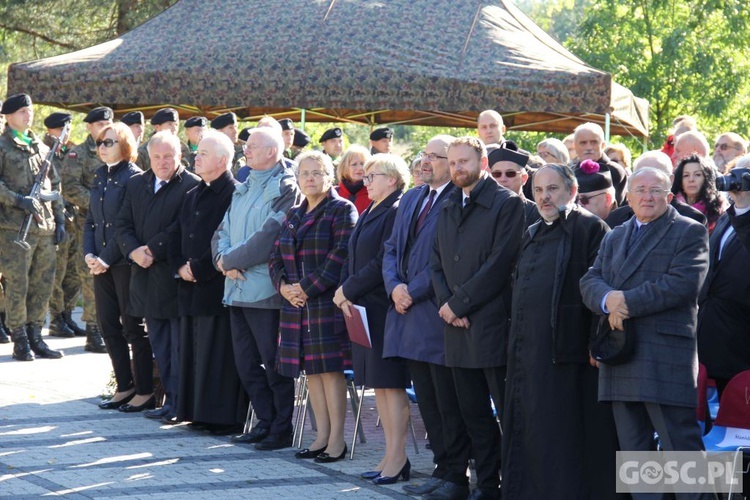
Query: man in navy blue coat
{"points": [[414, 330]]}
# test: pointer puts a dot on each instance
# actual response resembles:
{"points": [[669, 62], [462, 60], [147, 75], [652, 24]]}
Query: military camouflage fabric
{"points": [[78, 170], [239, 159], [19, 166], [28, 273], [28, 276], [144, 162], [68, 272]]}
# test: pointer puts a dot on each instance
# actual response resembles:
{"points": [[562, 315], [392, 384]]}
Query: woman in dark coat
{"points": [[349, 172], [695, 184], [305, 268], [386, 177], [116, 148]]}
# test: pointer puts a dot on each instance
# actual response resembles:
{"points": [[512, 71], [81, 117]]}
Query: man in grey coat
{"points": [[649, 272]]}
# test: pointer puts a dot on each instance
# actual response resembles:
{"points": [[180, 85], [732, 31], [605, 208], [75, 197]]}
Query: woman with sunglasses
{"points": [[386, 177], [116, 147]]}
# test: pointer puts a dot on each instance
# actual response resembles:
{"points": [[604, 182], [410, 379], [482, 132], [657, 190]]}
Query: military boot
{"points": [[77, 330], [38, 345], [4, 333], [21, 347], [59, 328], [94, 341]]}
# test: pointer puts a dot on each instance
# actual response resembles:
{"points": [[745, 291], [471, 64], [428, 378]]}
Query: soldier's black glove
{"points": [[31, 205], [60, 233]]}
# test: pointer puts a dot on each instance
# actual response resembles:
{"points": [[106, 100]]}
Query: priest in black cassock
{"points": [[210, 393], [558, 442]]}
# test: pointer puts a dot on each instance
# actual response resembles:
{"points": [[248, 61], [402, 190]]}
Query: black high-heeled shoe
{"points": [[150, 404], [325, 458], [308, 453], [371, 474], [114, 405], [404, 474]]}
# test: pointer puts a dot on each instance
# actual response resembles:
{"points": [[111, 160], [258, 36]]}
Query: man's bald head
{"points": [[654, 159], [690, 142], [490, 127]]}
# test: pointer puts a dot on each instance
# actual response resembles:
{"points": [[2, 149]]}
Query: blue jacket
{"points": [[246, 236]]}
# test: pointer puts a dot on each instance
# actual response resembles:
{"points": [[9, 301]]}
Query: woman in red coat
{"points": [[350, 172]]}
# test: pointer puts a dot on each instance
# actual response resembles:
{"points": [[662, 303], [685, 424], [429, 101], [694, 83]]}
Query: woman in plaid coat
{"points": [[305, 268]]}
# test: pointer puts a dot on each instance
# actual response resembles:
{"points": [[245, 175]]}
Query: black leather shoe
{"points": [[59, 328], [423, 489], [4, 332], [21, 347], [370, 474], [256, 435], [448, 491], [114, 405], [148, 405], [325, 458], [158, 413], [170, 421], [275, 442], [38, 345], [308, 453], [403, 474], [77, 330]]}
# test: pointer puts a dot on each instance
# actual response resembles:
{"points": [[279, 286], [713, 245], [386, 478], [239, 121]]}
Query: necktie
{"points": [[634, 236], [425, 210], [161, 185]]}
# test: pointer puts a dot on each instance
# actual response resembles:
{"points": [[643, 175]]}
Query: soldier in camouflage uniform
{"points": [[194, 128], [137, 124], [227, 125], [165, 119], [78, 173], [67, 284], [28, 273]]}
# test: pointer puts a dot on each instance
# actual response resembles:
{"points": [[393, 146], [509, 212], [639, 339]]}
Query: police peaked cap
{"points": [[165, 115], [57, 120], [14, 103]]}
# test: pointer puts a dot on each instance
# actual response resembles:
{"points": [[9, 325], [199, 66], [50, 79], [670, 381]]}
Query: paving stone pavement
{"points": [[54, 441]]}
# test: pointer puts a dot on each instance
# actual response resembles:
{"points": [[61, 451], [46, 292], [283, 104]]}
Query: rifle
{"points": [[40, 194]]}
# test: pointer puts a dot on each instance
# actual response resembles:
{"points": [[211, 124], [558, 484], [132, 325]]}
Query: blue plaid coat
{"points": [[311, 250]]}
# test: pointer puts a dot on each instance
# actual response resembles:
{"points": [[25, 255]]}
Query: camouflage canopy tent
{"points": [[421, 62]]}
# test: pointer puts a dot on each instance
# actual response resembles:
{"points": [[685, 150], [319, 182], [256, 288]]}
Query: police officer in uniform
{"points": [[227, 125], [78, 176], [28, 272], [165, 119]]}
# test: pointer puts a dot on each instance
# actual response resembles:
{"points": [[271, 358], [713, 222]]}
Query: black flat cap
{"points": [[286, 124], [57, 120], [381, 133], [196, 121], [133, 118], [301, 139], [99, 114], [14, 103], [331, 133], [165, 115], [222, 121]]}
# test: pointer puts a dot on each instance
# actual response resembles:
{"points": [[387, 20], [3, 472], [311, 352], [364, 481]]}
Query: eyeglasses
{"points": [[371, 177], [653, 191], [433, 156], [585, 200], [317, 174], [499, 173], [725, 146], [107, 143]]}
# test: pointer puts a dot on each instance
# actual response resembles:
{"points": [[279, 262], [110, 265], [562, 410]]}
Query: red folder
{"points": [[359, 330]]}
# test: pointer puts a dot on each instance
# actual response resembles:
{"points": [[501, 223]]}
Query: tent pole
{"points": [[606, 128], [302, 118]]}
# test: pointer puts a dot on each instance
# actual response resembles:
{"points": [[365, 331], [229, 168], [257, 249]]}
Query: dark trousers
{"points": [[164, 335], [677, 428], [255, 338], [112, 291], [474, 387], [439, 407]]}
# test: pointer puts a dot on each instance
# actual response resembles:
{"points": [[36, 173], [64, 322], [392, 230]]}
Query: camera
{"points": [[738, 179]]}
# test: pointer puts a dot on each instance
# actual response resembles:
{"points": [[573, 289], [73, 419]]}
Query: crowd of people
{"points": [[495, 282]]}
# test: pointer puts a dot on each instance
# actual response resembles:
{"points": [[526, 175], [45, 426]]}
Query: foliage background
{"points": [[684, 56]]}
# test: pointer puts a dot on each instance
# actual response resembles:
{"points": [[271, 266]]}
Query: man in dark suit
{"points": [[210, 393], [648, 274], [151, 207], [660, 161], [724, 313], [478, 236], [413, 329]]}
